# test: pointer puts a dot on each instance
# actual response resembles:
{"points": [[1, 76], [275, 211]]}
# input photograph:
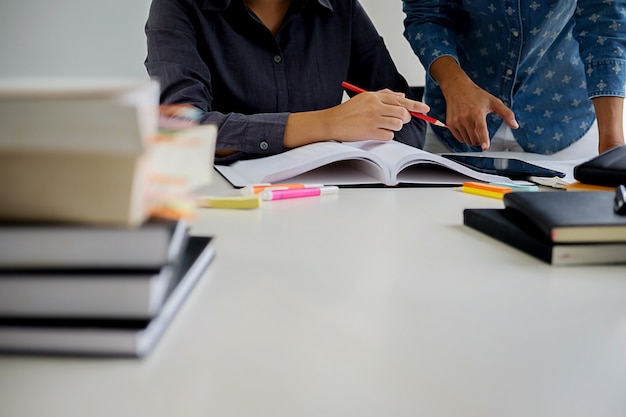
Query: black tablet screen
{"points": [[508, 167]]}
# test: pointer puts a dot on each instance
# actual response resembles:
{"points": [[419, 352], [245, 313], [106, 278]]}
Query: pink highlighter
{"points": [[270, 194]]}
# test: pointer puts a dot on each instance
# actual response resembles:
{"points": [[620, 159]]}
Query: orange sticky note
{"points": [[486, 190], [488, 187]]}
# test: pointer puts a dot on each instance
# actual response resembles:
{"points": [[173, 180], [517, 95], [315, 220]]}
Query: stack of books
{"points": [[95, 290], [91, 151], [95, 252], [558, 227]]}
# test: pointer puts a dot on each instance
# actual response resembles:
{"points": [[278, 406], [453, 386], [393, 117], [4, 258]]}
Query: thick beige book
{"points": [[89, 151]]}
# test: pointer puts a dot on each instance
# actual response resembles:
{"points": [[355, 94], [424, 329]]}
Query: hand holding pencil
{"points": [[375, 115], [419, 114]]}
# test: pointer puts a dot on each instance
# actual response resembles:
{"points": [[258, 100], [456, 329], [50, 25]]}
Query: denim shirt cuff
{"points": [[606, 77]]}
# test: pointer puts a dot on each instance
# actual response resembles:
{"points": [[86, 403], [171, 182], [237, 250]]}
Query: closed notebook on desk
{"points": [[108, 337], [571, 216], [516, 230], [38, 245]]}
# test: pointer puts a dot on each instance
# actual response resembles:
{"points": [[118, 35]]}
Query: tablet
{"points": [[515, 169]]}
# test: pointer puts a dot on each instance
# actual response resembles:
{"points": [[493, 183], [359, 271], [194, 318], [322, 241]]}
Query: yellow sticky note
{"points": [[484, 193], [230, 202]]}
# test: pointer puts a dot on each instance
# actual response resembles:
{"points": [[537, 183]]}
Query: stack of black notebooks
{"points": [[558, 227], [71, 289]]}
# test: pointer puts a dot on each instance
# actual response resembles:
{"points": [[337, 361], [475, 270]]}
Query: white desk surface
{"points": [[374, 302]]}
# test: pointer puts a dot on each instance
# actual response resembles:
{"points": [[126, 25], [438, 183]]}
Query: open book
{"points": [[354, 163]]}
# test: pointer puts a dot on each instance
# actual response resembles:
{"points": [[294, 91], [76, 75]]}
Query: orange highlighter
{"points": [[258, 188], [485, 190]]}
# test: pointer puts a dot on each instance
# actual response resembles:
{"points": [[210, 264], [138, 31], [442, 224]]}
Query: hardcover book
{"points": [[514, 229], [107, 337], [90, 151], [99, 293], [96, 292], [571, 216], [26, 245]]}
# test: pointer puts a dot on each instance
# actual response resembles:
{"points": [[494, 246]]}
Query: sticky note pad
{"points": [[485, 190], [231, 202]]}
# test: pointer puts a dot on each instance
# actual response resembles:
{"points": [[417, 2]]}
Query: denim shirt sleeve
{"points": [[601, 32], [174, 60], [600, 29], [435, 37]]}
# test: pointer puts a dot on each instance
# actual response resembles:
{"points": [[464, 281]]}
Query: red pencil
{"points": [[422, 116]]}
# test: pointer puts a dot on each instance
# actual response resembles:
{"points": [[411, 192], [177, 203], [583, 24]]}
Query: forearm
{"points": [[334, 123], [610, 117], [306, 127], [448, 74], [367, 116]]}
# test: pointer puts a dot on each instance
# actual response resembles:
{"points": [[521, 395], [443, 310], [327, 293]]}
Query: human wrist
{"points": [[448, 74], [304, 128]]}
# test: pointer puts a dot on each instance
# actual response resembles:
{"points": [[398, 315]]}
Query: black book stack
{"points": [[558, 227], [72, 289]]}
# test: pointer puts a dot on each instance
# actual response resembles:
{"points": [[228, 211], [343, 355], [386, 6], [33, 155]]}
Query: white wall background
{"points": [[72, 37], [106, 37], [388, 18]]}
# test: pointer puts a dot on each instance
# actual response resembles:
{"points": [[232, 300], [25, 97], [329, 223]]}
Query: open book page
{"points": [[353, 163], [311, 163], [409, 165]]}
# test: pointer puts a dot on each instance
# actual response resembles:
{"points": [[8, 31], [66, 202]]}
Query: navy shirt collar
{"points": [[220, 5]]}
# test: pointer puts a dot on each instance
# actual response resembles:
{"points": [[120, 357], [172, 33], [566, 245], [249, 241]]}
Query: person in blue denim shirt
{"points": [[269, 73], [531, 74]]}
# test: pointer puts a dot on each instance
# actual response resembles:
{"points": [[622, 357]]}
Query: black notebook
{"points": [[608, 169], [571, 216], [31, 245], [119, 337], [102, 292], [85, 293], [514, 229]]}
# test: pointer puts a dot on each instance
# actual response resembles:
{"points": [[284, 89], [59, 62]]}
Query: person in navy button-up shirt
{"points": [[269, 73], [546, 68]]}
